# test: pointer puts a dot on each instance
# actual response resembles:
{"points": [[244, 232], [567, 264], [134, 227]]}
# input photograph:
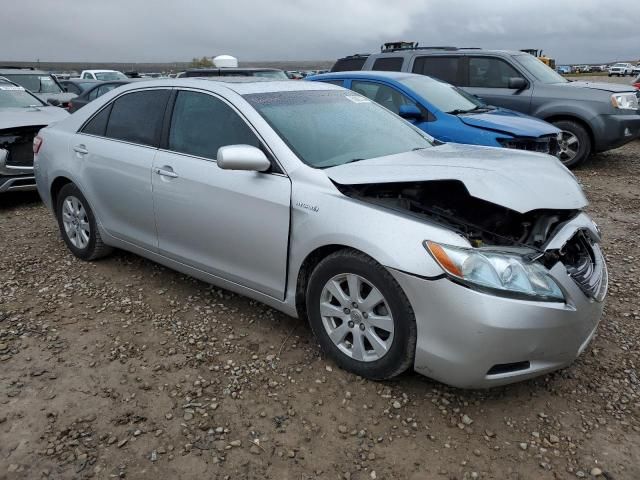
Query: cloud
{"points": [[162, 30]]}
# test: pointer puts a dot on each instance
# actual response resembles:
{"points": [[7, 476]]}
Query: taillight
{"points": [[37, 143]]}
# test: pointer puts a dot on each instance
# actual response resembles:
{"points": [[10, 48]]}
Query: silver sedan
{"points": [[476, 266]]}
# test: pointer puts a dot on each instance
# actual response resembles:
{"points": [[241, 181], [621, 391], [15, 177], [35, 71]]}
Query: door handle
{"points": [[166, 172], [81, 149]]}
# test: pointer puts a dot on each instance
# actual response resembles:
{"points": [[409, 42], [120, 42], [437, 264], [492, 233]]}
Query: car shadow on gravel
{"points": [[13, 200]]}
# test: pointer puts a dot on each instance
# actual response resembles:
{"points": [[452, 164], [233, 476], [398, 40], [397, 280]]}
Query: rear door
{"points": [[232, 224], [114, 154], [488, 79]]}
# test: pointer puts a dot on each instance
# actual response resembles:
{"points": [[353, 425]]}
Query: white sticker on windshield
{"points": [[44, 79], [358, 99], [20, 89]]}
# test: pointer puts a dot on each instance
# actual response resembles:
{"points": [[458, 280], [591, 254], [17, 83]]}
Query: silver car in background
{"points": [[475, 265]]}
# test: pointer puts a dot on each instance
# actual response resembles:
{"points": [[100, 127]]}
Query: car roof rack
{"points": [[399, 46]]}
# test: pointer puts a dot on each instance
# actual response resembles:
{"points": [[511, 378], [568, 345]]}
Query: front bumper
{"points": [[617, 130], [470, 339], [15, 178], [17, 183]]}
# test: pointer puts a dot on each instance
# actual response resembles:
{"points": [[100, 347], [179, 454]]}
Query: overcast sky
{"points": [[577, 31]]}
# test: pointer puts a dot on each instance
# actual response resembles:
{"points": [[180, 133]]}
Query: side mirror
{"points": [[242, 157], [53, 102], [410, 112], [517, 83]]}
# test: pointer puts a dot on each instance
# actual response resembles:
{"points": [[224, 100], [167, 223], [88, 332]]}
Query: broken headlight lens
{"points": [[500, 271], [625, 101]]}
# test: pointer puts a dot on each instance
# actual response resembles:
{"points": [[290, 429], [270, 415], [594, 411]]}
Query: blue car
{"points": [[447, 113]]}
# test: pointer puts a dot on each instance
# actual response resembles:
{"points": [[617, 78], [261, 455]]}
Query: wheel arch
{"points": [[307, 266], [575, 119], [56, 186]]}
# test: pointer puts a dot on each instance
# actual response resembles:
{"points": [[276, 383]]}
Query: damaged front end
{"points": [[511, 252]]}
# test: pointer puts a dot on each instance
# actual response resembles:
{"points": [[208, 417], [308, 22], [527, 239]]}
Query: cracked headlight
{"points": [[624, 101], [501, 272]]}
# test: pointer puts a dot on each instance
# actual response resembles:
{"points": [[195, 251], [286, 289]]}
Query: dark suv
{"points": [[594, 117]]}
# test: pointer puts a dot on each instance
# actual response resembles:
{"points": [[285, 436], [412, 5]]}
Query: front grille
{"points": [[586, 266], [19, 143], [545, 144]]}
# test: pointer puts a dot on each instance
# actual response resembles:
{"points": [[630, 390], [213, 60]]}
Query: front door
{"points": [[232, 224]]}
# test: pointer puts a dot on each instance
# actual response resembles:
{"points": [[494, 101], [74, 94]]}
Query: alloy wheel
{"points": [[76, 222], [356, 317], [568, 145]]}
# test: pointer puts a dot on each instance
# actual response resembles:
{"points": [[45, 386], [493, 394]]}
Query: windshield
{"points": [[36, 83], [275, 74], [17, 97], [327, 128], [104, 76], [539, 70], [443, 96]]}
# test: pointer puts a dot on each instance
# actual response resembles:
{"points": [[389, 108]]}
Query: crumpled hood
{"points": [[23, 117], [520, 181], [509, 122], [605, 86]]}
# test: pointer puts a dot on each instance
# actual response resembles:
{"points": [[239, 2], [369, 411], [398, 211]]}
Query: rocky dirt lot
{"points": [[124, 369]]}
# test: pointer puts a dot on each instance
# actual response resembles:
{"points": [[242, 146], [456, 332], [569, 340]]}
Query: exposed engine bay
{"points": [[448, 203]]}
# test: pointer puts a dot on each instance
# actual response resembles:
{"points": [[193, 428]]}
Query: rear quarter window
{"points": [[388, 64], [348, 64]]}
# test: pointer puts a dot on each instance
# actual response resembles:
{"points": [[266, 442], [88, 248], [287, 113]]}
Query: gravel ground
{"points": [[122, 368]]}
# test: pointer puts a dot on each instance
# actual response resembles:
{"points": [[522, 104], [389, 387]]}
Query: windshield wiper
{"points": [[458, 111]]}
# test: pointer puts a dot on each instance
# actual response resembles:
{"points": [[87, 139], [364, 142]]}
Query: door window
{"points": [[201, 124], [489, 72], [386, 96], [445, 68], [137, 117]]}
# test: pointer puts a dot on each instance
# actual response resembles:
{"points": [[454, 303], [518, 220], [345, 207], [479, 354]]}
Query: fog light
{"points": [[627, 132]]}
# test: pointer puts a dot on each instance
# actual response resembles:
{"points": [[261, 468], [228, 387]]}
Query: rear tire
{"points": [[78, 225], [575, 146], [375, 339]]}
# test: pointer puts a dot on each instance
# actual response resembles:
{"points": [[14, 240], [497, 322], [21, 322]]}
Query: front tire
{"points": [[78, 225], [575, 146], [361, 316]]}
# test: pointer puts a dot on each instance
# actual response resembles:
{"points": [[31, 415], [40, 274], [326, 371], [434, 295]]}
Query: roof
{"points": [[240, 85], [79, 80], [443, 51], [100, 70]]}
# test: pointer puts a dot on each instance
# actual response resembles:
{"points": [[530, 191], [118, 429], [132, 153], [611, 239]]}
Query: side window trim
{"points": [[110, 105], [276, 165]]}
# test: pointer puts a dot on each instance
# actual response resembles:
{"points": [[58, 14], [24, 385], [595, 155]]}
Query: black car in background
{"points": [[93, 92], [78, 85]]}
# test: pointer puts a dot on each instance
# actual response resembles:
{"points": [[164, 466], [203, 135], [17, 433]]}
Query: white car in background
{"points": [[621, 69], [102, 75]]}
